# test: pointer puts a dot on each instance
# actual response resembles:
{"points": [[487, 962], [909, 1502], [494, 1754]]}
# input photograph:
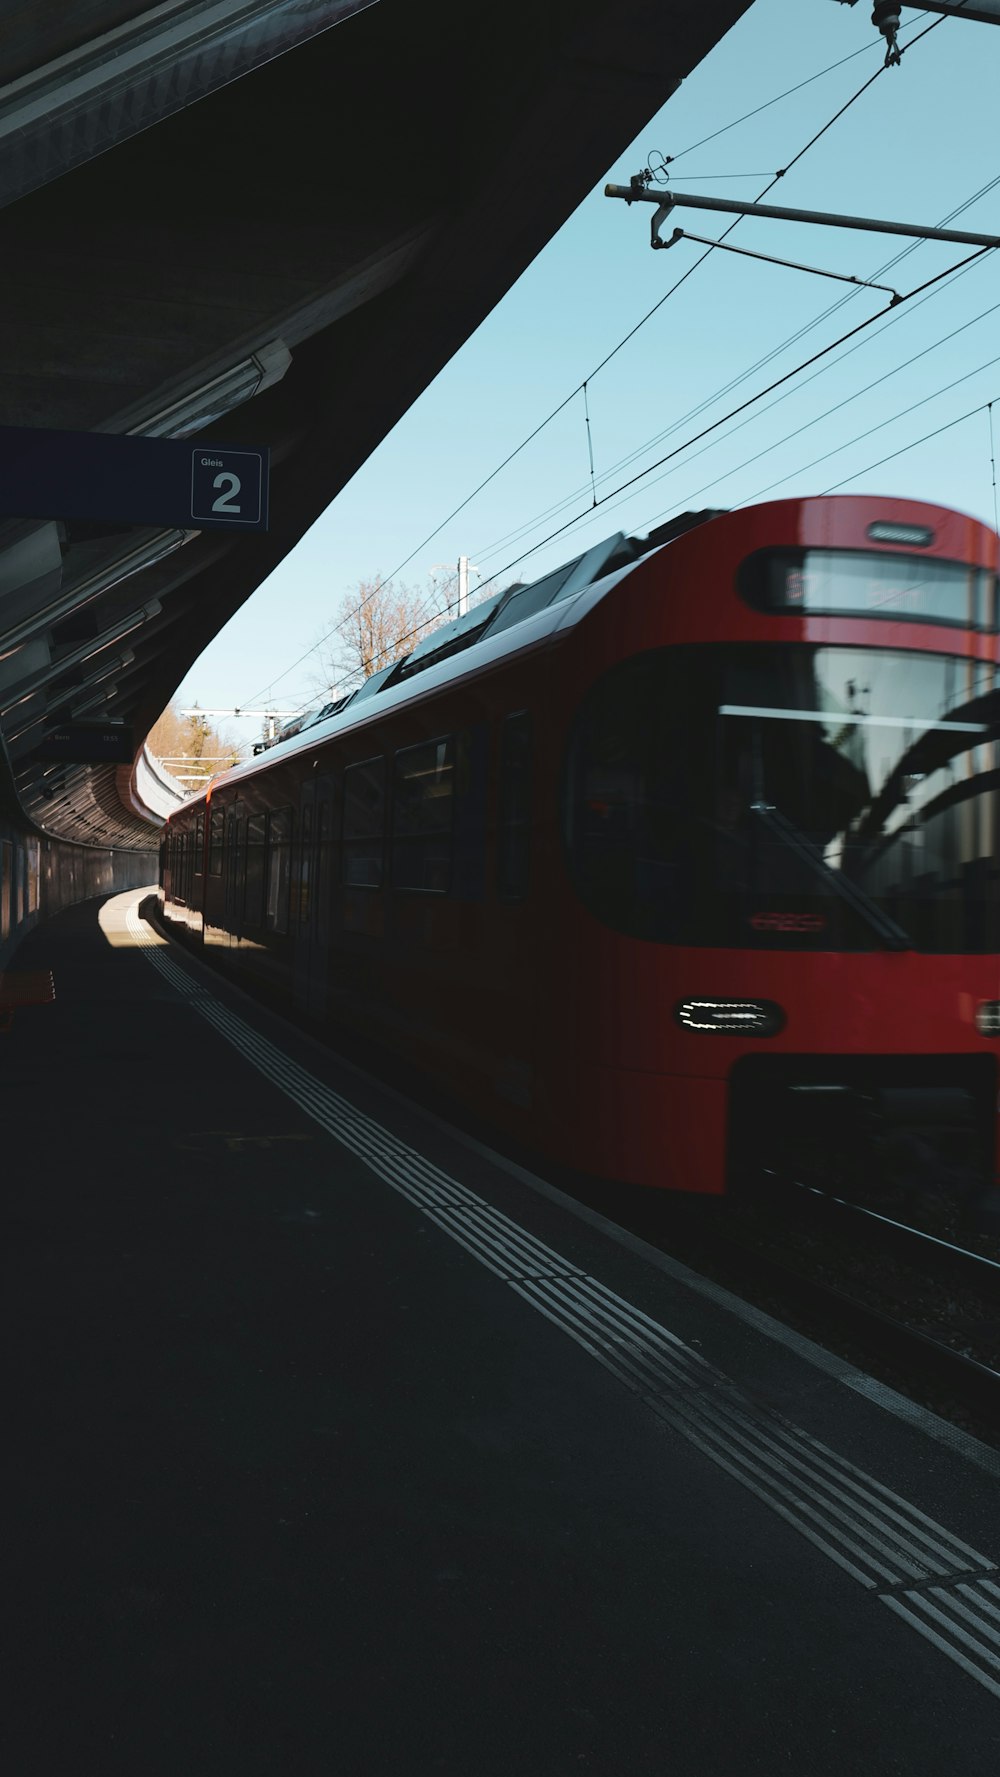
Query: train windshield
{"points": [[817, 797]]}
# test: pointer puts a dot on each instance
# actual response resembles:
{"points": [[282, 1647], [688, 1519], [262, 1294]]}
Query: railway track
{"points": [[923, 1310], [942, 1258], [925, 1355]]}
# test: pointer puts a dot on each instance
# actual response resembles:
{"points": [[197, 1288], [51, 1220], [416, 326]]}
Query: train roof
{"points": [[529, 609]]}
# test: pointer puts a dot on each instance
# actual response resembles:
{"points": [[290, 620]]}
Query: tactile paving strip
{"points": [[927, 1576]]}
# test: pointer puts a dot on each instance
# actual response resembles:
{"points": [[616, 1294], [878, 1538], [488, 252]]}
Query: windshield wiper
{"points": [[891, 935]]}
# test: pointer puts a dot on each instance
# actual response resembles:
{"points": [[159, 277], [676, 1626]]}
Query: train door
{"points": [[196, 899], [235, 865], [312, 926]]}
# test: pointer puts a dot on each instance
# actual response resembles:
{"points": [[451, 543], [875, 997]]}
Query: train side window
{"points": [[279, 847], [364, 823], [253, 904], [514, 807], [468, 867], [32, 875], [305, 864], [990, 599], [216, 838], [199, 844], [423, 793]]}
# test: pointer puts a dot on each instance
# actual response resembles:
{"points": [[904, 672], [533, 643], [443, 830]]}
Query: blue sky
{"points": [[920, 143]]}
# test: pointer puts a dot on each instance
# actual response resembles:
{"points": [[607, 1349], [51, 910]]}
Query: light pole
{"points": [[465, 568]]}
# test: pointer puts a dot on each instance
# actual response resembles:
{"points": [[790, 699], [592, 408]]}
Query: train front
{"points": [[782, 808]]}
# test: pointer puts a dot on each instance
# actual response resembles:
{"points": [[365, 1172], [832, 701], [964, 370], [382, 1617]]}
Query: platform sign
{"points": [[105, 476], [227, 486], [88, 743]]}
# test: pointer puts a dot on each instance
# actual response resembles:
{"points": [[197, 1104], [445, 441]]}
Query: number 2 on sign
{"points": [[231, 485]]}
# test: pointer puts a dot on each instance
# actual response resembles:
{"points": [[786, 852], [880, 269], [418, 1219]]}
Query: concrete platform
{"points": [[336, 1446]]}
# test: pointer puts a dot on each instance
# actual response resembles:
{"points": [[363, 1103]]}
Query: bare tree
{"points": [[379, 622]]}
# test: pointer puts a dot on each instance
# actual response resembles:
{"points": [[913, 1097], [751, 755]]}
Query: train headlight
{"points": [[988, 1018], [917, 536], [733, 1018]]}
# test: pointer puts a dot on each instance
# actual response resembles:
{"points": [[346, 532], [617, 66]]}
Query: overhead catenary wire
{"points": [[590, 444], [817, 419], [871, 430], [714, 424], [828, 364], [866, 49], [751, 400], [584, 516], [619, 346], [606, 360], [525, 528], [913, 444], [342, 622], [576, 519], [993, 468], [579, 517], [767, 450], [982, 407]]}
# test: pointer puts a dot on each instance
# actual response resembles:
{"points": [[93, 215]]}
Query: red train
{"points": [[679, 861]]}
